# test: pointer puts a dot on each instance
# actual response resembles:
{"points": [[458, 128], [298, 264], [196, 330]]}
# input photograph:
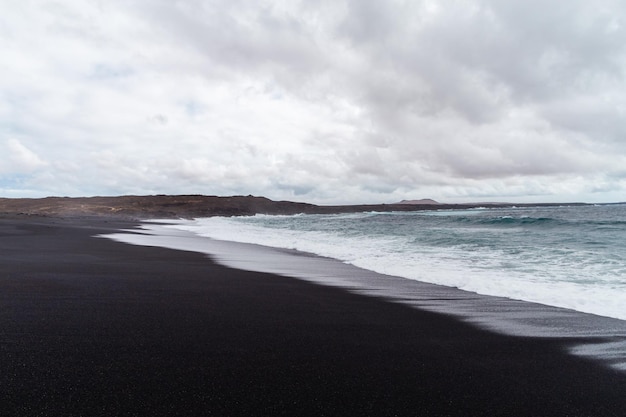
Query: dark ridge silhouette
{"points": [[189, 206]]}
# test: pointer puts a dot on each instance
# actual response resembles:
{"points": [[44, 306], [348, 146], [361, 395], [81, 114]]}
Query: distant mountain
{"points": [[422, 201]]}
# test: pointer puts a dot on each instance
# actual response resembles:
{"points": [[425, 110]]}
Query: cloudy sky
{"points": [[338, 101]]}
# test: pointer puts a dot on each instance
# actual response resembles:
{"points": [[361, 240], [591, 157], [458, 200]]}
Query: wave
{"points": [[537, 221], [508, 221], [557, 258], [531, 276]]}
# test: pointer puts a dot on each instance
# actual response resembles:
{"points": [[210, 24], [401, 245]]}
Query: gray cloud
{"points": [[342, 101]]}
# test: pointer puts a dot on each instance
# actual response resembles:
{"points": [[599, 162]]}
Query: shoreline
{"points": [[598, 337], [96, 327], [501, 253]]}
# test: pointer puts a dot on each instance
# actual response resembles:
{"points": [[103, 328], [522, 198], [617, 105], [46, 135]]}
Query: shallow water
{"points": [[571, 257]]}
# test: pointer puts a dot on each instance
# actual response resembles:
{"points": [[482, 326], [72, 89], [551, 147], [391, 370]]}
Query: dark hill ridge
{"points": [[189, 206], [155, 206]]}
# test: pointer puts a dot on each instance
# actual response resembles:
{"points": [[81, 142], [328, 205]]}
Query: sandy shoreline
{"points": [[95, 327], [598, 337]]}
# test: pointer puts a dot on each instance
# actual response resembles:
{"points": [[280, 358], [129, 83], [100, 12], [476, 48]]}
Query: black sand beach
{"points": [[92, 327]]}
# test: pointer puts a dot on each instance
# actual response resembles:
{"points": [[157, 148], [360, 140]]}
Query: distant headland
{"points": [[422, 201]]}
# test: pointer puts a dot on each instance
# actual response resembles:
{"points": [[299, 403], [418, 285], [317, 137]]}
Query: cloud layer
{"points": [[324, 101]]}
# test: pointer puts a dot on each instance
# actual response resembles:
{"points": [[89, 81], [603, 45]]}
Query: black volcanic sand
{"points": [[92, 327]]}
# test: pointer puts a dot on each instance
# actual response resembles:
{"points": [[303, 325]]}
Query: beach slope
{"points": [[89, 326]]}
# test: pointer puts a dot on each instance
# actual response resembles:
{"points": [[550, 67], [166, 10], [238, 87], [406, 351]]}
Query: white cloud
{"points": [[330, 102], [18, 159]]}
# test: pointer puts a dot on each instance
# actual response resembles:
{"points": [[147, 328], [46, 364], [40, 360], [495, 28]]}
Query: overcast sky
{"points": [[339, 101]]}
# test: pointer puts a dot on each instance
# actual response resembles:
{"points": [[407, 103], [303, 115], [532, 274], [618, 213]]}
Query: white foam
{"points": [[547, 282]]}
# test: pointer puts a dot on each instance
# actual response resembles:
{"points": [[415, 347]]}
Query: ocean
{"points": [[571, 256]]}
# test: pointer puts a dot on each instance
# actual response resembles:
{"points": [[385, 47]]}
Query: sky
{"points": [[329, 102]]}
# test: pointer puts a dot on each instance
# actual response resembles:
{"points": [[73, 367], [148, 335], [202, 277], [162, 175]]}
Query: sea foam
{"points": [[563, 259]]}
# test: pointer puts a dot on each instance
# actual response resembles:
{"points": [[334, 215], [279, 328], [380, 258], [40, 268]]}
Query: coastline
{"points": [[598, 337], [93, 326]]}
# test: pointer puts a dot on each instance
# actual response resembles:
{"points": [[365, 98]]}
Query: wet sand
{"points": [[89, 326]]}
